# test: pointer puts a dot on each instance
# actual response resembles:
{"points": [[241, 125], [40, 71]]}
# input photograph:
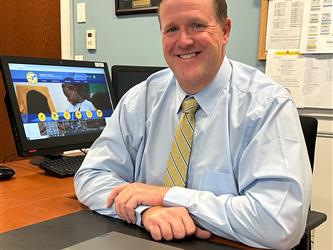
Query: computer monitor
{"points": [[125, 77], [56, 105]]}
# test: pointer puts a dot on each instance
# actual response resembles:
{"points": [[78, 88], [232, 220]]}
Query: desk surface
{"points": [[41, 212], [74, 228], [31, 197]]}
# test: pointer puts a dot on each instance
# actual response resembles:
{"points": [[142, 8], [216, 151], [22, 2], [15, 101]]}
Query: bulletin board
{"points": [[286, 47]]}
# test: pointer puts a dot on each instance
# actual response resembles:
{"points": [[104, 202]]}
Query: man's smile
{"points": [[188, 55]]}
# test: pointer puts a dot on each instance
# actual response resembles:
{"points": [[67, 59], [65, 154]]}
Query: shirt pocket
{"points": [[219, 183]]}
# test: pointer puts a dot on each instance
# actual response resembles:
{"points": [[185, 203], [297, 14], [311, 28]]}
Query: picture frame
{"points": [[134, 7]]}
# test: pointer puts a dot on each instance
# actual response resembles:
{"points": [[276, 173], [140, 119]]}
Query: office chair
{"points": [[309, 127]]}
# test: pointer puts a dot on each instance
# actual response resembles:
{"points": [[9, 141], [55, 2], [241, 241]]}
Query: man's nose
{"points": [[185, 39]]}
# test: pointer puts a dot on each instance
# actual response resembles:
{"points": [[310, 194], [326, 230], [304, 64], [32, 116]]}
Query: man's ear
{"points": [[226, 27]]}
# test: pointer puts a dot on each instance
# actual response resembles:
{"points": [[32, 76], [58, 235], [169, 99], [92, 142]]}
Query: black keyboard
{"points": [[62, 167]]}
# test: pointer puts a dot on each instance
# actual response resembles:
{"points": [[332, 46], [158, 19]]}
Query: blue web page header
{"points": [[46, 73]]}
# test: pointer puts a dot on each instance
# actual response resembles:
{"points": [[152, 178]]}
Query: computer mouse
{"points": [[6, 172]]}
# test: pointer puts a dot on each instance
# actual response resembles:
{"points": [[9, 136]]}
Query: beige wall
{"points": [[322, 195], [322, 192]]}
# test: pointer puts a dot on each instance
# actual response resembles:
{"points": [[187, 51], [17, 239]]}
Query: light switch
{"points": [[81, 12]]}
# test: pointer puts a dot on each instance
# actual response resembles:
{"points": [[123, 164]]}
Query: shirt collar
{"points": [[180, 96], [207, 98]]}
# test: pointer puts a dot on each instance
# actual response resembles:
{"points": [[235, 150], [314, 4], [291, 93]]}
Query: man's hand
{"points": [[127, 197], [171, 223]]}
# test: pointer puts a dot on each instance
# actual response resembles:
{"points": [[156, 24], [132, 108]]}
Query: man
{"points": [[248, 176]]}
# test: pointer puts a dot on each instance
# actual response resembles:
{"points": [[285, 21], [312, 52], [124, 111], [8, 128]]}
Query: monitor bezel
{"points": [[52, 145], [115, 69]]}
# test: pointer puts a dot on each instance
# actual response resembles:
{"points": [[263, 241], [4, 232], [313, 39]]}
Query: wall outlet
{"points": [[91, 39], [78, 58]]}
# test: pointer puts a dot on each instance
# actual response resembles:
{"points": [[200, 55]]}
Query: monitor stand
{"points": [[37, 160]]}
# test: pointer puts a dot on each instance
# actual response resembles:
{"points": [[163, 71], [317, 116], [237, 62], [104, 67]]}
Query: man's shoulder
{"points": [[137, 95], [251, 81], [247, 78], [158, 83], [160, 78]]}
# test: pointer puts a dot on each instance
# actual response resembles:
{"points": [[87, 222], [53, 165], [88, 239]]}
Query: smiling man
{"points": [[207, 146]]}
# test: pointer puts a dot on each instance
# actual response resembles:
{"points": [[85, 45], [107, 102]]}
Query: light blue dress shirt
{"points": [[249, 177]]}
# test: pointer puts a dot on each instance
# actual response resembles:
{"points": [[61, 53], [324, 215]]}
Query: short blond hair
{"points": [[221, 9]]}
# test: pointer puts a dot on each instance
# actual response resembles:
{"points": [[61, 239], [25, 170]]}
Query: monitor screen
{"points": [[56, 105], [125, 77]]}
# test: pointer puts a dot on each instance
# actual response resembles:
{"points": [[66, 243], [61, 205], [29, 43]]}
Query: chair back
{"points": [[309, 127]]}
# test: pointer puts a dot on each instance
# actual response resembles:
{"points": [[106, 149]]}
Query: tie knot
{"points": [[189, 105]]}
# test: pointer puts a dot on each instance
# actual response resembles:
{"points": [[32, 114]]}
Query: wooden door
{"points": [[27, 28]]}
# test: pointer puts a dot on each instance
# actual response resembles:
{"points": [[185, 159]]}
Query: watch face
{"points": [[32, 77]]}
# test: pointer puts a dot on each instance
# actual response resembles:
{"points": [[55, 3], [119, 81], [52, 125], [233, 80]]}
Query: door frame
{"points": [[66, 24]]}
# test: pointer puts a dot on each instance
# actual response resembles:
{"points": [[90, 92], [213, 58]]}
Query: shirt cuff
{"points": [[178, 197], [138, 212]]}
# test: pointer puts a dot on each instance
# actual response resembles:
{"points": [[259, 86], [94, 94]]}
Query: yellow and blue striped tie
{"points": [[179, 156]]}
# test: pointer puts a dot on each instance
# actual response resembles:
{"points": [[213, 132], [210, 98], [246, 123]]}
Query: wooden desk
{"points": [[31, 197]]}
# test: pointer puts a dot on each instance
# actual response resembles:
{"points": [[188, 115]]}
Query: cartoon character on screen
{"points": [[77, 95]]}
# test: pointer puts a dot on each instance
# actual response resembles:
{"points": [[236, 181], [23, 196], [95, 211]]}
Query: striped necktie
{"points": [[179, 156]]}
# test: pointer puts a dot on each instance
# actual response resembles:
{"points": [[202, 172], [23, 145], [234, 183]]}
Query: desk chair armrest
{"points": [[314, 220]]}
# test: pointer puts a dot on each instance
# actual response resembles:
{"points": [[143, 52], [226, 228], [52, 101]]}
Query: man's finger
{"points": [[113, 194], [190, 227], [166, 230], [155, 232], [202, 234], [130, 209], [120, 209]]}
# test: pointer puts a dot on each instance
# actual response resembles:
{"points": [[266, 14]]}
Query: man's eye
{"points": [[172, 29], [197, 26]]}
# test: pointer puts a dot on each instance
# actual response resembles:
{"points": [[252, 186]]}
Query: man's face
{"points": [[193, 41]]}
